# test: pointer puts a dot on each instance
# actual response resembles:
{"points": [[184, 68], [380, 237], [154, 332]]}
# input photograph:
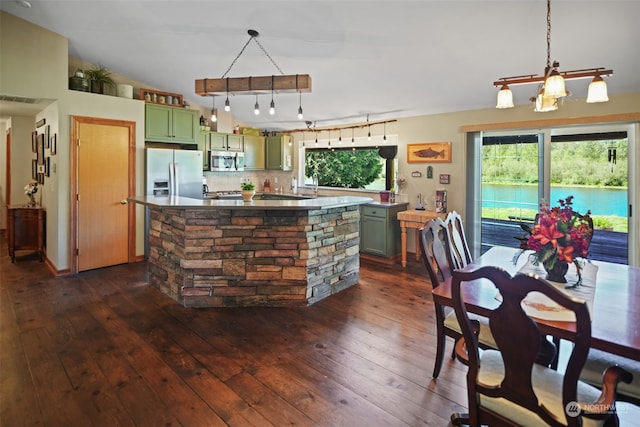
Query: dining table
{"points": [[614, 308]]}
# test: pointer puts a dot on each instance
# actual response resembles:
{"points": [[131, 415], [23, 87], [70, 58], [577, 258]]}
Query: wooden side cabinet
{"points": [[379, 229], [25, 229]]}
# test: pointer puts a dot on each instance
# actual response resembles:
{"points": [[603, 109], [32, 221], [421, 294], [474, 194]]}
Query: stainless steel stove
{"points": [[230, 194]]}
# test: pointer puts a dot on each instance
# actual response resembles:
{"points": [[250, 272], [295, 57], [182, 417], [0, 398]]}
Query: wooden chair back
{"points": [[433, 237], [460, 255], [518, 341]]}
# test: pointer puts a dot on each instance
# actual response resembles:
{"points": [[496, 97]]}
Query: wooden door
{"points": [[103, 185]]}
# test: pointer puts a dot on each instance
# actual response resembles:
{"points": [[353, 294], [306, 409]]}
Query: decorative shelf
{"points": [[152, 96]]}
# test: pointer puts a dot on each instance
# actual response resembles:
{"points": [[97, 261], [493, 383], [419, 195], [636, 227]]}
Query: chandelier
{"points": [[551, 86], [254, 85]]}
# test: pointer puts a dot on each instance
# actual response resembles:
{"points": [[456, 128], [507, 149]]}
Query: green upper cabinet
{"points": [[253, 152], [218, 141], [235, 142], [171, 124], [279, 153], [226, 142]]}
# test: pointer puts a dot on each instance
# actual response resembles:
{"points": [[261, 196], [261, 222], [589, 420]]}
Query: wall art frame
{"points": [[46, 137], [54, 144], [41, 149], [34, 169], [429, 152], [34, 141]]}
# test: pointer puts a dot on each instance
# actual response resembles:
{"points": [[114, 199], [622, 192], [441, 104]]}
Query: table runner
{"points": [[541, 307]]}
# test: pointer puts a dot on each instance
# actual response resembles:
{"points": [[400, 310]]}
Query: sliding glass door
{"points": [[517, 171]]}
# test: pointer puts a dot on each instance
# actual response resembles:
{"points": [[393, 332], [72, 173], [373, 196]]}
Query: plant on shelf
{"points": [[99, 78], [558, 238], [248, 190]]}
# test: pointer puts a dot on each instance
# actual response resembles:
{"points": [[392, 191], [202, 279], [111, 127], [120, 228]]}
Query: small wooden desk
{"points": [[413, 218]]}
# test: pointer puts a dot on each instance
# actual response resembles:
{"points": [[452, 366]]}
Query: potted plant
{"points": [[248, 191], [99, 77]]}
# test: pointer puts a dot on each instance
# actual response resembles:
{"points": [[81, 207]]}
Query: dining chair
{"points": [[506, 386], [599, 360], [459, 249], [433, 237]]}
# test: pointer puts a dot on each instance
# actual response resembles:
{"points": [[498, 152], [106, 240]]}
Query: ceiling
{"points": [[381, 59]]}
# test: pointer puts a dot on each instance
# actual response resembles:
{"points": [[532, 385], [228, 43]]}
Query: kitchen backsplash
{"points": [[227, 181]]}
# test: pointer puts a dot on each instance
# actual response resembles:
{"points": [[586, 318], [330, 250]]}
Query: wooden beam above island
{"points": [[229, 253]]}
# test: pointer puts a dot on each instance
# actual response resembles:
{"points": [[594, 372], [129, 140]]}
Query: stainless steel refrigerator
{"points": [[174, 172], [171, 172]]}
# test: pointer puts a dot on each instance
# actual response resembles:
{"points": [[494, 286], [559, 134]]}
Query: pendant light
{"points": [[272, 106], [256, 84], [227, 106], [553, 82], [300, 115], [256, 108], [214, 112]]}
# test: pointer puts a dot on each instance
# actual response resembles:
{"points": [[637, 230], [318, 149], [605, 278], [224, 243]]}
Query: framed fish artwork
{"points": [[429, 152]]}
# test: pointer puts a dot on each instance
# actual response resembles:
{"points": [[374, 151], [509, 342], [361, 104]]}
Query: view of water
{"points": [[600, 201]]}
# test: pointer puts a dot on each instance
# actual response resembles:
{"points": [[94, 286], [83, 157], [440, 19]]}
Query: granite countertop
{"points": [[303, 204], [387, 204]]}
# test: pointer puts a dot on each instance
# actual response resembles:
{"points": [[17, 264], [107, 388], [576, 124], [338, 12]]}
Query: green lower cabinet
{"points": [[380, 229]]}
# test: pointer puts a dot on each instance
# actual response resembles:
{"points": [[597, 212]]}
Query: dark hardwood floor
{"points": [[102, 348]]}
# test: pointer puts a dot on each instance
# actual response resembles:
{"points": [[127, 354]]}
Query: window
{"points": [[350, 165]]}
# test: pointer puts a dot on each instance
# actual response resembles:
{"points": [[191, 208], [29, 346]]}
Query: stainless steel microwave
{"points": [[226, 161]]}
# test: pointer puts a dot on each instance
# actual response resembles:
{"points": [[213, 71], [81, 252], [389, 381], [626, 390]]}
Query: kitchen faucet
{"points": [[315, 184]]}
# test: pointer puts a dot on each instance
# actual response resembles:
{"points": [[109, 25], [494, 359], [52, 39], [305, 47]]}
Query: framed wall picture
{"points": [[444, 178], [34, 169], [47, 167], [41, 178], [46, 137], [54, 144], [34, 141], [429, 152], [41, 148]]}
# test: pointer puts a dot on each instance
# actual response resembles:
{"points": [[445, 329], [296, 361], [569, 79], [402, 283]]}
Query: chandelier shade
{"points": [[554, 85], [505, 97], [597, 90]]}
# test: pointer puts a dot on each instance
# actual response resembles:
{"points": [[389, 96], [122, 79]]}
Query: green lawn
{"points": [[599, 221]]}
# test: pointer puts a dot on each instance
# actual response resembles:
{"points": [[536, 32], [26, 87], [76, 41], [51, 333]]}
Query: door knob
{"points": [[123, 202]]}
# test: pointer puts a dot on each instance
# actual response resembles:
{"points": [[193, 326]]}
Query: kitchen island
{"points": [[230, 253]]}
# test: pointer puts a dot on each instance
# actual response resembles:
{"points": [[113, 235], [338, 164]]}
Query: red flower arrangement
{"points": [[559, 236]]}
